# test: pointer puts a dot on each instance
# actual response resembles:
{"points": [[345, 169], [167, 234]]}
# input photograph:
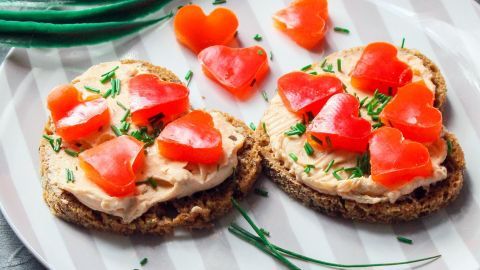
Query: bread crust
{"points": [[419, 203], [197, 211]]}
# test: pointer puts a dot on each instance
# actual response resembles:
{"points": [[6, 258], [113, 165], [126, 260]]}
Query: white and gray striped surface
{"points": [[447, 31]]}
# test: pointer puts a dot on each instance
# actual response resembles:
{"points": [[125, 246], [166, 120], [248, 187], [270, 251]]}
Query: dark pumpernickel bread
{"points": [[163, 217], [419, 203]]}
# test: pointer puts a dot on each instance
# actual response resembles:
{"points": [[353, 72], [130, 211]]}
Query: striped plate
{"points": [[447, 31]]}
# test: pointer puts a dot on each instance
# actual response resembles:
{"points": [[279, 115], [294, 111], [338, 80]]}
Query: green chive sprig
{"points": [[308, 168], [91, 89], [265, 96], [149, 181], [308, 149], [252, 126], [188, 77], [339, 65], [218, 2], [403, 43], [329, 166], [108, 75], [297, 129], [341, 30], [70, 176], [307, 67], [122, 106], [405, 240], [257, 37], [293, 157], [56, 144], [261, 192], [71, 152], [144, 261]]}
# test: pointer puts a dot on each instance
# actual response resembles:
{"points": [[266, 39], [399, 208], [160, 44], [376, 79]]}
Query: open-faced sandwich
{"points": [[360, 135], [123, 152]]}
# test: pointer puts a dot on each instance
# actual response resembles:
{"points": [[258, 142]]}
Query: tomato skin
{"points": [[302, 93], [238, 70], [150, 96], [192, 138], [74, 117], [197, 31], [396, 161], [112, 165], [379, 68], [304, 21], [412, 112], [339, 121]]}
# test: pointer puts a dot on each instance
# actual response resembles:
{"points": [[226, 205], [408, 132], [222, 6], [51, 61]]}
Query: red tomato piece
{"points": [[303, 93], [338, 125], [379, 68], [304, 21], [150, 96], [191, 138], [236, 69], [74, 117], [395, 161], [412, 112], [112, 165], [197, 31]]}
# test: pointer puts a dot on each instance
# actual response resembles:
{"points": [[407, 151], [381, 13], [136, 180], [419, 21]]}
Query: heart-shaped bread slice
{"points": [[238, 70], [303, 93], [191, 138], [338, 126], [151, 97], [198, 31], [412, 112], [379, 68], [304, 21], [396, 161]]}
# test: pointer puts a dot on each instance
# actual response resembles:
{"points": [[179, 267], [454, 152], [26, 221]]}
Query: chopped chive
{"points": [[323, 63], [329, 142], [405, 240], [308, 148], [308, 168], [375, 117], [313, 73], [329, 69], [264, 95], [335, 173], [329, 166], [339, 65], [116, 130], [125, 127], [107, 94], [271, 56], [48, 138], [377, 125], [70, 176], [188, 77], [149, 181], [56, 144], [252, 126], [108, 75], [125, 116], [261, 192], [341, 30], [144, 261], [257, 37], [449, 147], [115, 87], [265, 232], [264, 127], [297, 129], [70, 152], [307, 67], [293, 156], [121, 105], [108, 72], [316, 139], [260, 52], [403, 43], [363, 101], [218, 2], [91, 89]]}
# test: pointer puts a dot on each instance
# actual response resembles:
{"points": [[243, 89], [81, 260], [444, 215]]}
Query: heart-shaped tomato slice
{"points": [[197, 31], [338, 126], [303, 93], [395, 161], [379, 68], [236, 69], [150, 96], [74, 117], [112, 165], [412, 112], [304, 21], [191, 138]]}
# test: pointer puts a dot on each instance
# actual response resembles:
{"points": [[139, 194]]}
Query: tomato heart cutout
{"points": [[198, 31], [338, 126], [112, 165], [412, 112], [238, 70], [304, 21], [192, 138], [379, 68], [150, 97], [304, 93], [396, 161], [74, 117]]}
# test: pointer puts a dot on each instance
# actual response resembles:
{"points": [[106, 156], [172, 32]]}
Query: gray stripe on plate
{"points": [[75, 61], [211, 243], [152, 248]]}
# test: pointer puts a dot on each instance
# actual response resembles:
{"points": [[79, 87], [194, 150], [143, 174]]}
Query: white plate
{"points": [[447, 31]]}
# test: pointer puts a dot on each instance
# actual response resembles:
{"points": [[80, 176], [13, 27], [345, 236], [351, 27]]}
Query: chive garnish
{"points": [[362, 102], [116, 131], [265, 232], [403, 43], [329, 69], [261, 192], [307, 67], [218, 2], [323, 63], [308, 148], [335, 173], [271, 56], [108, 75], [107, 94], [316, 139], [91, 89], [405, 240], [257, 37], [142, 136], [308, 168], [329, 166], [150, 181], [363, 162], [264, 127], [377, 125], [260, 52], [70, 176], [125, 126], [115, 87], [297, 129], [56, 144], [313, 73], [125, 116], [293, 157], [188, 77], [72, 153], [121, 105], [339, 65], [252, 126], [109, 72], [144, 261], [449, 147], [264, 95], [341, 30]]}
